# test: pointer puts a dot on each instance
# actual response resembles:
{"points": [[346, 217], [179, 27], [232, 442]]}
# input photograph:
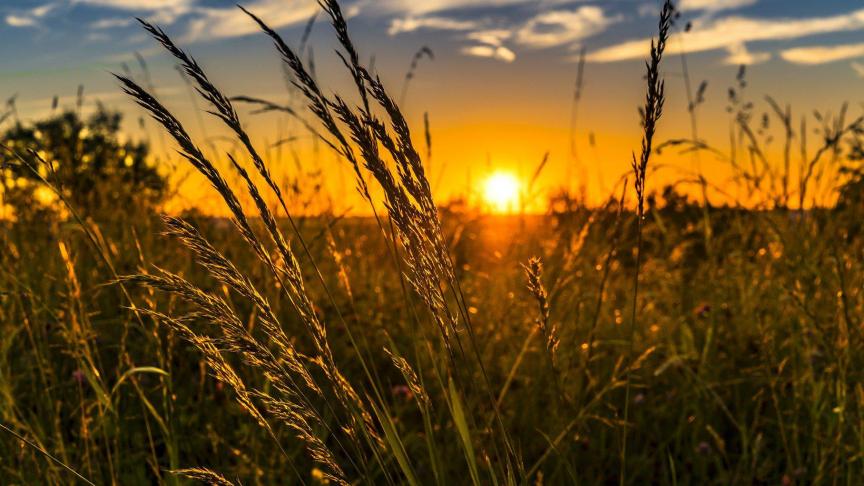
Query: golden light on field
{"points": [[501, 192]]}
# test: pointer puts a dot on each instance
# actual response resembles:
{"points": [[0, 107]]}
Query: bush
{"points": [[85, 159]]}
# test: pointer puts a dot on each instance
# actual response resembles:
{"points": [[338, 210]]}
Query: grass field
{"points": [[652, 339]]}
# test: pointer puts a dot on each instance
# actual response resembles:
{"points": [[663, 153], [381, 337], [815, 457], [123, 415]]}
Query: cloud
{"points": [[20, 21], [43, 10], [111, 23], [423, 7], [713, 5], [499, 53], [410, 24], [166, 16], [492, 45], [546, 29], [721, 33], [822, 54], [559, 27], [219, 23], [139, 5], [157, 11], [739, 54], [493, 37], [29, 18], [858, 68]]}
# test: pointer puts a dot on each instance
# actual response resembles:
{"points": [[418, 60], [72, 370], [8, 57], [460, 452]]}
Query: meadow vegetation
{"points": [[655, 338]]}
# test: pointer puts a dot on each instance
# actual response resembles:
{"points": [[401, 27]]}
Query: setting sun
{"points": [[501, 192]]}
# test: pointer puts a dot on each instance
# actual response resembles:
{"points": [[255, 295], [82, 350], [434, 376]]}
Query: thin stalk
{"points": [[651, 113], [46, 454]]}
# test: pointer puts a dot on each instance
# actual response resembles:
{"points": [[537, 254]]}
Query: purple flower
{"points": [[402, 391], [78, 376]]}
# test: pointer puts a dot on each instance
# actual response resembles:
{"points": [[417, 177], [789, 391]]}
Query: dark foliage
{"points": [[85, 158]]}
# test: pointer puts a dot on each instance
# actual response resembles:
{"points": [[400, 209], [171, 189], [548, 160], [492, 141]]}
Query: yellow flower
{"points": [[319, 476]]}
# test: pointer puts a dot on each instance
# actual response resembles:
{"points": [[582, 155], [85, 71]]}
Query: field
{"points": [[653, 339]]}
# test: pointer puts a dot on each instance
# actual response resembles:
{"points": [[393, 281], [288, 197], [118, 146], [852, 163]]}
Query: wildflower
{"points": [[319, 477], [403, 391], [78, 376]]}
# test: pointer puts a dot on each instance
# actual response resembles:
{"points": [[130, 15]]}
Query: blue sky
{"points": [[37, 32], [46, 43]]}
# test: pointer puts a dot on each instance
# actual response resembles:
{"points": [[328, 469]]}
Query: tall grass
{"points": [[651, 112], [414, 221], [412, 347]]}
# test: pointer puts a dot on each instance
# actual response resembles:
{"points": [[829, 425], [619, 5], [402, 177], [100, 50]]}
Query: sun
{"points": [[501, 192]]}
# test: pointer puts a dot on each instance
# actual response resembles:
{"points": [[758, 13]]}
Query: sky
{"points": [[498, 92]]}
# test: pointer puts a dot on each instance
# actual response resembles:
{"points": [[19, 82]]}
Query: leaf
{"points": [[137, 370], [458, 411], [96, 384], [395, 444]]}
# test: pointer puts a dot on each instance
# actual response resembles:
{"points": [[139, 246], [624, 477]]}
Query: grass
{"points": [[672, 342]]}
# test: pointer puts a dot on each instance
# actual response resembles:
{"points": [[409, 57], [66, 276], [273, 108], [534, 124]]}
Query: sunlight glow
{"points": [[501, 192]]}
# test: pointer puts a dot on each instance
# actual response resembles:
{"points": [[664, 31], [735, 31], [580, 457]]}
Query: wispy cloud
{"points": [[721, 33], [424, 7], [206, 23], [157, 11], [713, 5], [218, 23], [489, 28], [858, 68], [739, 54], [499, 53], [111, 23], [491, 45], [410, 24], [559, 27], [545, 29], [13, 20], [822, 54], [28, 18], [139, 5], [492, 37]]}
